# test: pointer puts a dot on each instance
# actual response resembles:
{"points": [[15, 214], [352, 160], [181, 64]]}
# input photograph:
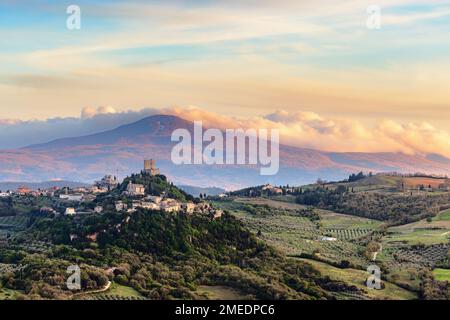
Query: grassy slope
{"points": [[294, 235], [442, 274], [8, 294], [271, 203], [123, 291], [332, 219], [119, 291], [443, 216], [358, 278], [436, 231], [380, 183]]}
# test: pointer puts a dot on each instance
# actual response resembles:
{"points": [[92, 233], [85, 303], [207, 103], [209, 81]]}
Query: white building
{"points": [[4, 194], [154, 199], [70, 211], [150, 206], [72, 197], [328, 239], [108, 182], [170, 205], [120, 206], [135, 189]]}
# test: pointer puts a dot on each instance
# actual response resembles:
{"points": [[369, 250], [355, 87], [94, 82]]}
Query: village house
{"points": [[107, 183], [70, 212], [218, 214], [189, 207], [23, 190], [97, 190], [154, 199], [203, 208], [277, 190], [120, 206], [328, 239], [149, 206], [72, 197], [47, 210], [135, 189], [170, 205]]}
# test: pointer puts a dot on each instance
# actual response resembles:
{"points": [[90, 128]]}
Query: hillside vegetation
{"points": [[159, 255]]}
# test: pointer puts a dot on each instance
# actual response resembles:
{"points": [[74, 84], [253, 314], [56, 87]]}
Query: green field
{"points": [[274, 202], [296, 235], [358, 278], [16, 221], [7, 294], [385, 183], [428, 233], [332, 219], [443, 216], [116, 292], [346, 227], [117, 289], [442, 274]]}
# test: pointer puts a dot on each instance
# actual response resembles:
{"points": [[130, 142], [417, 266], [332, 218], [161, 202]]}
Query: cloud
{"points": [[299, 128], [414, 17], [90, 112], [17, 133], [311, 130]]}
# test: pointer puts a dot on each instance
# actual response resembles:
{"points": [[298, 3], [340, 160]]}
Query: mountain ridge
{"points": [[122, 150]]}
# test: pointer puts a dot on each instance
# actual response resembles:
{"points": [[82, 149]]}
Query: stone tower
{"points": [[150, 167]]}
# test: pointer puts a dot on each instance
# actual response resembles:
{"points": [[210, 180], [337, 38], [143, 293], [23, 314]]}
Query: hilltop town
{"points": [[146, 190]]}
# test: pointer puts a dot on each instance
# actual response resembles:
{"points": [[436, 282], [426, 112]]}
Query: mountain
{"points": [[122, 150], [41, 185], [196, 191]]}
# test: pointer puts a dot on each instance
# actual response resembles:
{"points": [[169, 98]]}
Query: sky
{"points": [[255, 59]]}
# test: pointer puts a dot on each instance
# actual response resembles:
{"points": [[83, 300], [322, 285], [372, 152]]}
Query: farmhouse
{"points": [[47, 210], [327, 239], [70, 211]]}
